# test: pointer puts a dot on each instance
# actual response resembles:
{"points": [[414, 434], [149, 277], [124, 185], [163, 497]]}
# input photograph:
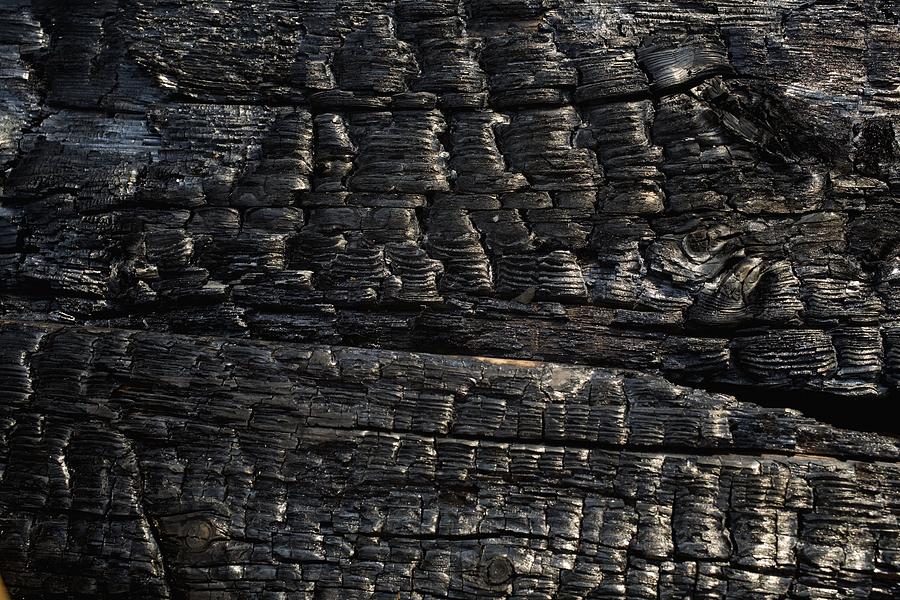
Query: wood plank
{"points": [[163, 465]]}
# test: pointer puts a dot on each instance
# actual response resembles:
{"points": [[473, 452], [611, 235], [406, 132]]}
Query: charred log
{"points": [[246, 247]]}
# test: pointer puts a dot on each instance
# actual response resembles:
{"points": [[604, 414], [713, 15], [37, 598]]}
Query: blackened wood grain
{"points": [[246, 247]]}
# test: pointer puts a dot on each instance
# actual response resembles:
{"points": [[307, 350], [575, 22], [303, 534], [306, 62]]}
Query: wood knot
{"points": [[198, 534], [499, 570]]}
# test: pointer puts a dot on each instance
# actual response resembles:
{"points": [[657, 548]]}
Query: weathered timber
{"points": [[277, 169], [246, 247], [143, 464]]}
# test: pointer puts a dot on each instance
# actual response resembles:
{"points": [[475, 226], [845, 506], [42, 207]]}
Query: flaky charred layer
{"points": [[157, 465], [231, 232], [719, 184]]}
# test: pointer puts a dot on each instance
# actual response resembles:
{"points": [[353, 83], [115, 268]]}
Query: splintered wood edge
{"points": [[507, 362]]}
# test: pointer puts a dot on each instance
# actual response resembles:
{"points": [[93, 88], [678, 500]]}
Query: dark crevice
{"points": [[836, 410]]}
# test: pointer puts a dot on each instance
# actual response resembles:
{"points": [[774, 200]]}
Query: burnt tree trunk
{"points": [[441, 299]]}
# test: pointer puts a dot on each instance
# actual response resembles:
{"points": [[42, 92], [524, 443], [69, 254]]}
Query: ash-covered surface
{"points": [[243, 243]]}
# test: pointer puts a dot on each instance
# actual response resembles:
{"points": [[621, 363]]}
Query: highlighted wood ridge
{"points": [[449, 299]]}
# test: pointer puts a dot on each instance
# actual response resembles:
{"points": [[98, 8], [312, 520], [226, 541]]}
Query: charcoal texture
{"points": [[449, 298], [151, 464]]}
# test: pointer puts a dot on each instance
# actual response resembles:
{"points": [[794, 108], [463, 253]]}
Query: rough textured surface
{"points": [[709, 189], [241, 241], [148, 464]]}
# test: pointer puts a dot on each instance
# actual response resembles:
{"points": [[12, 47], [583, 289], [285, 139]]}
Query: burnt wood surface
{"points": [[449, 299]]}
